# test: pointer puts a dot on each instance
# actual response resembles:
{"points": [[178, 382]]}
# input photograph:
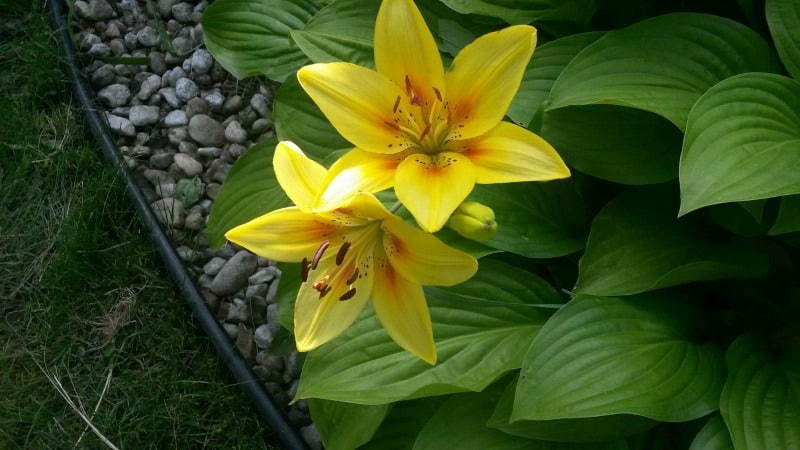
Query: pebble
{"points": [[149, 87], [186, 89], [261, 126], [209, 152], [169, 96], [259, 103], [169, 211], [238, 311], [114, 95], [206, 131], [94, 10], [161, 160], [214, 99], [188, 165], [120, 125], [263, 276], [176, 118], [311, 436], [148, 36], [183, 12], [232, 105], [196, 106], [202, 61], [235, 133], [100, 50], [143, 115], [195, 221], [213, 266], [156, 177], [244, 343], [232, 329], [89, 40], [234, 274], [263, 337], [103, 76]]}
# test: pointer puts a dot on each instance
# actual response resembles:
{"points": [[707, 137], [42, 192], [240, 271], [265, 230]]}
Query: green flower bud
{"points": [[473, 221]]}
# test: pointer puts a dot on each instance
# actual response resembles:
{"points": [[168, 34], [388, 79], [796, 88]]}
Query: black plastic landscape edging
{"points": [[263, 402]]}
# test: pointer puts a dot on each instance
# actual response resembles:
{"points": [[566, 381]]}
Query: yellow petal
{"points": [[299, 176], [420, 256], [356, 171], [401, 308], [360, 103], [317, 319], [432, 186], [509, 153], [287, 234], [405, 48], [484, 77]]}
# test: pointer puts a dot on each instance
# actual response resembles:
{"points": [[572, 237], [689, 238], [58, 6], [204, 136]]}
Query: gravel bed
{"points": [[181, 123]]}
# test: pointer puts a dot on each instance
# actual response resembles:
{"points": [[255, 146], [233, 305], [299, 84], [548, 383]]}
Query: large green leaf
{"points": [[401, 427], [526, 11], [547, 63], [761, 399], [783, 19], [251, 37], [344, 426], [636, 244], [477, 339], [299, 120], [618, 144], [788, 220], [537, 220], [662, 65], [341, 31], [608, 429], [742, 142], [600, 356], [249, 191], [460, 423], [713, 436]]}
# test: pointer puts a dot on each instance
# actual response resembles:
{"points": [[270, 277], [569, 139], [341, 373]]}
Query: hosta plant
{"points": [[529, 224]]}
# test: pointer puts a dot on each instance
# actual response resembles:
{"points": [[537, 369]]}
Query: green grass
{"points": [[84, 299]]}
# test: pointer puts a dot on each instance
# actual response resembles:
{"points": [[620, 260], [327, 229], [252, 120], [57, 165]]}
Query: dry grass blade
{"points": [[79, 409]]}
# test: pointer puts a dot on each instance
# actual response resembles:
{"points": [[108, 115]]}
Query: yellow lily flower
{"points": [[349, 254], [429, 133]]}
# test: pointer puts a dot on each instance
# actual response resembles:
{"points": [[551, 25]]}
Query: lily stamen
{"points": [[342, 252], [318, 253], [304, 270], [348, 295]]}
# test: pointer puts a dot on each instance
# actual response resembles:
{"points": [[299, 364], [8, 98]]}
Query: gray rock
{"points": [[207, 132], [217, 171], [260, 104], [113, 30], [310, 434], [232, 105], [183, 12], [194, 221], [148, 87], [238, 311], [257, 290], [169, 96], [202, 61], [114, 95], [176, 118], [170, 212], [212, 189], [209, 152], [94, 10], [158, 63], [196, 106], [164, 8], [117, 46], [174, 75], [234, 274], [120, 125], [188, 165], [263, 337], [177, 135], [213, 266], [187, 147], [157, 177], [182, 46], [143, 115], [261, 126], [245, 345], [161, 160], [235, 133], [263, 276], [148, 37], [89, 40], [103, 76], [214, 99], [188, 255], [131, 41], [166, 190], [236, 150], [100, 50], [186, 89], [232, 329], [272, 317]]}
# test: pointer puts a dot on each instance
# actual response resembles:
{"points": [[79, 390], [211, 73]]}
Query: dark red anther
{"points": [[425, 132], [353, 277], [324, 291], [318, 253], [409, 88], [304, 270], [438, 94], [342, 252], [348, 295], [396, 104]]}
